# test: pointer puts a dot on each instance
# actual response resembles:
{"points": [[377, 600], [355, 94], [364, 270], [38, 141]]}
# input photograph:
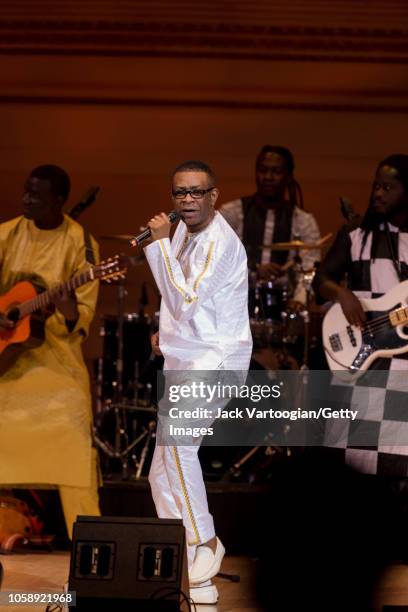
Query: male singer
{"points": [[203, 279]]}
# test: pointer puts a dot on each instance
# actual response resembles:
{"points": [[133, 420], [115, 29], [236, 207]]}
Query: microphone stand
{"points": [[86, 201]]}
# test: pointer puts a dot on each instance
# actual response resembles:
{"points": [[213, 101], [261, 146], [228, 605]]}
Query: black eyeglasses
{"points": [[196, 194]]}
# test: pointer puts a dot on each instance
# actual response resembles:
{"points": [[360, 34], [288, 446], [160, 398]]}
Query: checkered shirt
{"points": [[377, 441]]}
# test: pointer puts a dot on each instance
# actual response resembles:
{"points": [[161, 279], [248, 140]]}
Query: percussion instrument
{"points": [[136, 351], [266, 300], [125, 419], [277, 321], [298, 245]]}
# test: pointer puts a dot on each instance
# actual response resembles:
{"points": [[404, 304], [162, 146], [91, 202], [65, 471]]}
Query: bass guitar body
{"points": [[385, 333]]}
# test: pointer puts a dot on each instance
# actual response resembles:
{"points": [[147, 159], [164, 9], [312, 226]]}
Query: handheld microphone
{"points": [[136, 240], [86, 201]]}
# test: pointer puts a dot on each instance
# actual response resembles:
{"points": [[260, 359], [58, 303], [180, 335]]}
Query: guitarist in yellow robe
{"points": [[45, 404]]}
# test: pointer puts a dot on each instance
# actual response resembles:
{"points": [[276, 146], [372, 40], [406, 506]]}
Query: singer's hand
{"points": [[159, 226], [154, 340]]}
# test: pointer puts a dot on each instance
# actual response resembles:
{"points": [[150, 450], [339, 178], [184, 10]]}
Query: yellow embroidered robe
{"points": [[45, 404]]}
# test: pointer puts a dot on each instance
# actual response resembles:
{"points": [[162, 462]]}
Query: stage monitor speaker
{"points": [[126, 564]]}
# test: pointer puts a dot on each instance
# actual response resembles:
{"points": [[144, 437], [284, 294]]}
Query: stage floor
{"points": [[48, 572]]}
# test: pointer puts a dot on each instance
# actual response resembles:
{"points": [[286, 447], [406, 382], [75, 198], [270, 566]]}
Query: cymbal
{"points": [[297, 245]]}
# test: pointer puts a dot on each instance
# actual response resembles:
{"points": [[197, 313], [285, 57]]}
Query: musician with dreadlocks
{"points": [[373, 256], [274, 213]]}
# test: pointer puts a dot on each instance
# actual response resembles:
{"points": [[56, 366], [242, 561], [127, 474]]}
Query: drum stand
{"points": [[307, 280], [307, 283], [121, 448], [122, 439], [150, 435]]}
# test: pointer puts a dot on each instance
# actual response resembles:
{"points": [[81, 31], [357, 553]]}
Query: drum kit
{"points": [[286, 335], [284, 332], [125, 415]]}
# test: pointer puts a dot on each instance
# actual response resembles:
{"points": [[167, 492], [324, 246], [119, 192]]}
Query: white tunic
{"points": [[203, 280], [204, 325]]}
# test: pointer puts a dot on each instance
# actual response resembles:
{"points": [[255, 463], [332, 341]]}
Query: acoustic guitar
{"points": [[26, 308]]}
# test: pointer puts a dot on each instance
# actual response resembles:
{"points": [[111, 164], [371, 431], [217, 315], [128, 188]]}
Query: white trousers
{"points": [[178, 491], [176, 477]]}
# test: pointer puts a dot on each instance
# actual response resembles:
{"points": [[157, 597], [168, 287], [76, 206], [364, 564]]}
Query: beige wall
{"points": [[124, 123]]}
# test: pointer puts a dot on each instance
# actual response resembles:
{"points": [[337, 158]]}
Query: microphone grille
{"points": [[173, 216]]}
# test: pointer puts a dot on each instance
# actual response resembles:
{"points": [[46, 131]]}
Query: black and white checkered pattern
{"points": [[377, 441], [372, 277]]}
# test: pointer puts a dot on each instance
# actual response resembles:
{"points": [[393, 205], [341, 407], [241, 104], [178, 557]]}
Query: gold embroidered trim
{"points": [[183, 246], [186, 497], [207, 263], [187, 298]]}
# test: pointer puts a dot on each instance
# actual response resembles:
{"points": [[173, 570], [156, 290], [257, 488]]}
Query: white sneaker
{"points": [[205, 593], [206, 563]]}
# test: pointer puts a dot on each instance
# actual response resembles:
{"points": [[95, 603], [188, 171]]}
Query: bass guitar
{"points": [[385, 333]]}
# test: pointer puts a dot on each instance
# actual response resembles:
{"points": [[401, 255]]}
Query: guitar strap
{"points": [[394, 256], [89, 252]]}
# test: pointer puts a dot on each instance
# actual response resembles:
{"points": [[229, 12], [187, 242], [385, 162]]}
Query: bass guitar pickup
{"points": [[335, 343], [351, 335]]}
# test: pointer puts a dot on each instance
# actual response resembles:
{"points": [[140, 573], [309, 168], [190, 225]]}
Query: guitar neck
{"points": [[399, 316], [46, 297]]}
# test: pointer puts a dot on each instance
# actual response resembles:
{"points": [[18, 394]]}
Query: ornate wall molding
{"points": [[318, 30], [312, 55], [359, 107]]}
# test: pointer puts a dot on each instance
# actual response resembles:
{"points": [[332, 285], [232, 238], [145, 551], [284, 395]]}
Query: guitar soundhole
{"points": [[405, 330], [13, 315]]}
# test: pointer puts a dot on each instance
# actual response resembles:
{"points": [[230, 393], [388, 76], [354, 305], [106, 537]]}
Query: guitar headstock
{"points": [[112, 269]]}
